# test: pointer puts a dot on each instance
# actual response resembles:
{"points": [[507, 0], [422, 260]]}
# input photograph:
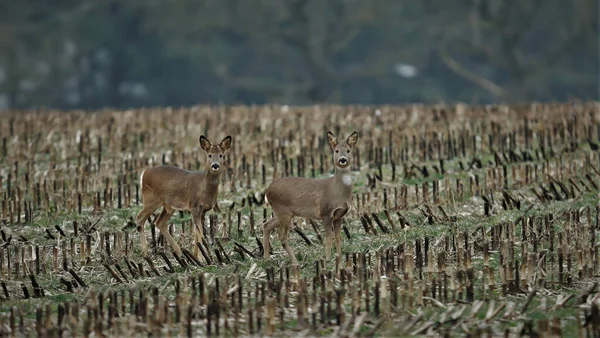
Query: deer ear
{"points": [[226, 143], [352, 139], [205, 143], [332, 140]]}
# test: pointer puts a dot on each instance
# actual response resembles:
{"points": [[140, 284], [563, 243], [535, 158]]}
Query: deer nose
{"points": [[215, 166], [343, 161]]}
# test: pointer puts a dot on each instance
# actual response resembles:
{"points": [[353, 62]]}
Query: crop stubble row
{"points": [[511, 190]]}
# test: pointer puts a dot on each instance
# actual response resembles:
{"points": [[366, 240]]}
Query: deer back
{"points": [[306, 197], [178, 188]]}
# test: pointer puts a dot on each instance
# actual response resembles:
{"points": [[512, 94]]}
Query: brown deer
{"points": [[178, 189], [326, 199]]}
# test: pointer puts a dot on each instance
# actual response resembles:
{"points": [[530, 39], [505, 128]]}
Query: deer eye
{"points": [[209, 155], [220, 155], [337, 151], [348, 151]]}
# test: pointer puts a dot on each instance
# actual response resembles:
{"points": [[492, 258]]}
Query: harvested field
{"points": [[466, 220]]}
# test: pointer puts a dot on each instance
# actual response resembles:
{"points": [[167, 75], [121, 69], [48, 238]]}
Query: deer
{"points": [[177, 189], [324, 199]]}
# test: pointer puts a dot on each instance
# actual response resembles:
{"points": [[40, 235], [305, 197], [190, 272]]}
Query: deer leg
{"points": [[285, 222], [328, 226], [163, 226], [198, 219], [141, 219], [337, 228], [268, 227]]}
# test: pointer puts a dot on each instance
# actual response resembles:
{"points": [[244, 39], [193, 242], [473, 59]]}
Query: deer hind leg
{"points": [[149, 208], [163, 226], [285, 223], [267, 228]]}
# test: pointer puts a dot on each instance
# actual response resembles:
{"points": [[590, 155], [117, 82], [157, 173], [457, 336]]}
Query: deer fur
{"points": [[326, 199], [178, 189]]}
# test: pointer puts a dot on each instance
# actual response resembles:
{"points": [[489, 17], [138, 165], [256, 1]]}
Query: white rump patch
{"points": [[347, 179], [142, 179]]}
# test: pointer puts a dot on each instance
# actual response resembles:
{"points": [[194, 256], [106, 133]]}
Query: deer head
{"points": [[342, 151], [215, 153]]}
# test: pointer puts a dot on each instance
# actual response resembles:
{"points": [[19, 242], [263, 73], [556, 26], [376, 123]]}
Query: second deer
{"points": [[178, 189], [327, 199]]}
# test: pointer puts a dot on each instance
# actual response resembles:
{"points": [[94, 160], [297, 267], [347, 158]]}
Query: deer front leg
{"points": [[198, 219], [337, 228], [328, 227]]}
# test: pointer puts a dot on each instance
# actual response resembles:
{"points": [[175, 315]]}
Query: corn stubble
{"points": [[465, 220]]}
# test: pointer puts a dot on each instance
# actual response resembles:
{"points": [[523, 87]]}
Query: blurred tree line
{"points": [[127, 53]]}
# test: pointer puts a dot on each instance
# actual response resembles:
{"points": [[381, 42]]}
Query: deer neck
{"points": [[343, 181], [206, 189], [210, 180]]}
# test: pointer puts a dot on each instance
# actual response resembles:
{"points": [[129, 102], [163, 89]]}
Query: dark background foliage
{"points": [[90, 54]]}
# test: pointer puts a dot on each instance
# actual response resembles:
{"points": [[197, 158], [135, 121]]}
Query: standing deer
{"points": [[326, 199], [178, 189]]}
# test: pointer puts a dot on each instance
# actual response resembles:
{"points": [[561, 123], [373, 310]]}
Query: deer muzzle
{"points": [[215, 167], [343, 161]]}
